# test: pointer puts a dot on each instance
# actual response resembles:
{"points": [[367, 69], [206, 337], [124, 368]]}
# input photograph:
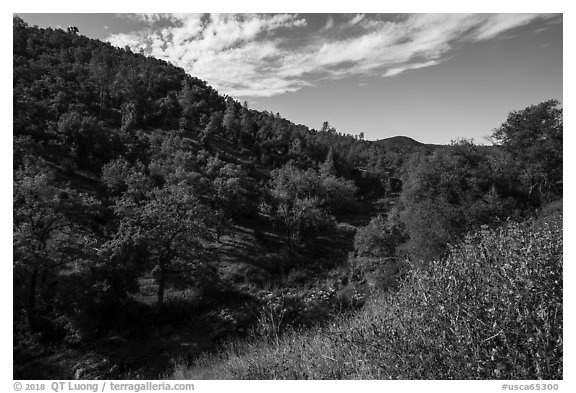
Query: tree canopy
{"points": [[534, 138]]}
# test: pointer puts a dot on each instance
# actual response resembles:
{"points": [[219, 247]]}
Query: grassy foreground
{"points": [[492, 309]]}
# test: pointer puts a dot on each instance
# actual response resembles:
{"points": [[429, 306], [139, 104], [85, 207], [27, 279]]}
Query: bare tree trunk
{"points": [[161, 288], [31, 304]]}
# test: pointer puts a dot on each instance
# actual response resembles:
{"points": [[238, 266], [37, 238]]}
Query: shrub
{"points": [[379, 238]]}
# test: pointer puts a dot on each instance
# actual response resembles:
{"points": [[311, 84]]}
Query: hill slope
{"points": [[491, 310], [80, 103], [149, 207]]}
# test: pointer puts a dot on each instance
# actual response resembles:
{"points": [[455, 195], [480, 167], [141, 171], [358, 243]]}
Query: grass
{"points": [[491, 310]]}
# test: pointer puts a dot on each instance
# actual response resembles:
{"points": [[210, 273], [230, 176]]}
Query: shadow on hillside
{"points": [[252, 264]]}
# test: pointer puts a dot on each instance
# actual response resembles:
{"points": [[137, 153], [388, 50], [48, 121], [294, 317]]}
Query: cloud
{"points": [[148, 18], [406, 67], [329, 23], [264, 55], [541, 29], [356, 19], [498, 24]]}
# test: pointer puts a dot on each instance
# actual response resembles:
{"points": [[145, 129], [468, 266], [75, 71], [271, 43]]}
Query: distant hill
{"points": [[398, 142]]}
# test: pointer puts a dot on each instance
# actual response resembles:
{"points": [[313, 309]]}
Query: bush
{"points": [[379, 238]]}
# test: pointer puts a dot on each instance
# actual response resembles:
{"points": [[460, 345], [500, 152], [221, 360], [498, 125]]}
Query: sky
{"points": [[432, 77]]}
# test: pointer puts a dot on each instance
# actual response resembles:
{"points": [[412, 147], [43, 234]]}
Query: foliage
{"points": [[534, 137], [491, 310], [379, 238], [455, 190], [296, 195], [231, 188], [338, 194], [172, 226], [55, 232], [138, 165], [305, 200]]}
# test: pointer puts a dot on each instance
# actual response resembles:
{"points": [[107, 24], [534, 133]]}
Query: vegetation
{"points": [[533, 136], [455, 190], [491, 310], [305, 200], [150, 209]]}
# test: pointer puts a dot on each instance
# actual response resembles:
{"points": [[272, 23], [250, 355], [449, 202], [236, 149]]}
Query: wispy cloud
{"points": [[260, 55], [329, 23], [357, 18], [406, 67], [498, 24], [149, 18]]}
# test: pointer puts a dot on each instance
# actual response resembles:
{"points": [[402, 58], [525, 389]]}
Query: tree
{"points": [[456, 189], [129, 116], [173, 227], [228, 191], [337, 194], [87, 142], [326, 127], [36, 222], [247, 128], [213, 128], [230, 121], [382, 236], [328, 167], [298, 205], [229, 185], [534, 138], [120, 177], [192, 104], [306, 201], [52, 232]]}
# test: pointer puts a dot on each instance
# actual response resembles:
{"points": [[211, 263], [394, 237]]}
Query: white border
{"points": [[303, 6]]}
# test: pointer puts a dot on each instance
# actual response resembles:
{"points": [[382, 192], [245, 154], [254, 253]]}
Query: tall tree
{"points": [[297, 203], [534, 137], [173, 226], [230, 121], [328, 167]]}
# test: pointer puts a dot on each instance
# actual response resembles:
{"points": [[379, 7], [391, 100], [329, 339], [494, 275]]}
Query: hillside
{"points": [[117, 99], [109, 143], [156, 220], [466, 320]]}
